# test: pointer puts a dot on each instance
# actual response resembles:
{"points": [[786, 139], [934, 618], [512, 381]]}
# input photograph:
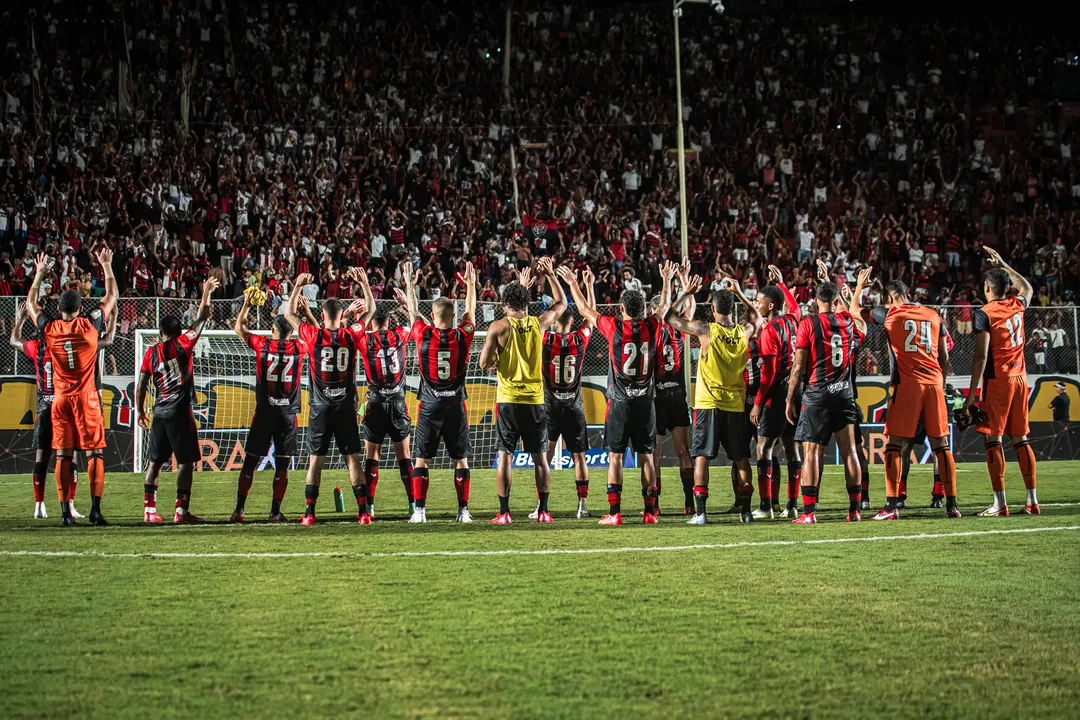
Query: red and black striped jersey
{"points": [[752, 375], [331, 362], [669, 365], [443, 356], [778, 340], [564, 357], [277, 373], [383, 353], [35, 350], [632, 348], [830, 341], [169, 365]]}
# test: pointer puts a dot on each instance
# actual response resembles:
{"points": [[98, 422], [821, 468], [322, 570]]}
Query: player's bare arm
{"points": [[361, 277], [1023, 287], [109, 336], [587, 311], [42, 263], [753, 318], [356, 308], [558, 307], [978, 366], [408, 298], [469, 317], [16, 340], [790, 302], [855, 307], [845, 295], [683, 275], [497, 334], [108, 301], [291, 309], [588, 283], [240, 325], [793, 385], [674, 316], [140, 400], [943, 355], [209, 286]]}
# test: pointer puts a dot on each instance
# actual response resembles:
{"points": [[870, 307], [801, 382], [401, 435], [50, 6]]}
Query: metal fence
{"points": [[1051, 342]]}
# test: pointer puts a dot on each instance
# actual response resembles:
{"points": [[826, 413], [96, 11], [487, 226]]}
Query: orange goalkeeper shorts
{"points": [[912, 401], [78, 422], [1005, 404]]}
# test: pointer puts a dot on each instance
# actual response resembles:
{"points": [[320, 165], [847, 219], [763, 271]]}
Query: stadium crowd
{"points": [[282, 138]]}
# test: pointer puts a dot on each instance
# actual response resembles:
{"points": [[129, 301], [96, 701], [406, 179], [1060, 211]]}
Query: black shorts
{"points": [[671, 412], [714, 429], [333, 422], [751, 428], [174, 435], [527, 423], [272, 425], [43, 430], [858, 425], [386, 417], [920, 434], [445, 420], [823, 415], [630, 423], [773, 422], [568, 422]]}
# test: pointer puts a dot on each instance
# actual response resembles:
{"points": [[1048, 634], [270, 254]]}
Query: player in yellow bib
{"points": [[720, 395], [514, 346]]}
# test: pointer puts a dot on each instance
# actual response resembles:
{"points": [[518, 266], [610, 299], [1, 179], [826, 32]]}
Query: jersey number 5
{"points": [[921, 329]]}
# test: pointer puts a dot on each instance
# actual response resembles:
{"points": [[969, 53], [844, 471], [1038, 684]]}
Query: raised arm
{"points": [[360, 276], [240, 326], [109, 336], [855, 307], [108, 302], [41, 266], [16, 340], [674, 316], [408, 298], [1023, 287], [494, 343], [209, 287], [469, 316], [684, 281], [291, 310], [789, 300], [558, 307], [587, 311]]}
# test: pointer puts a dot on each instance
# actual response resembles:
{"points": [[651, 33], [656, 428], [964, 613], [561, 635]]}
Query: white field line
{"points": [[500, 553]]}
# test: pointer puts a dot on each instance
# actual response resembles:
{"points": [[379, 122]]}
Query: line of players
{"points": [[788, 380]]}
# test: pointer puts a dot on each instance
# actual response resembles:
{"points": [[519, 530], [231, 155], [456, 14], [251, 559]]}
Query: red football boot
{"points": [[887, 514], [236, 517], [854, 516], [363, 519], [807, 518], [544, 517], [150, 516], [307, 519], [1031, 510], [187, 519], [615, 519], [502, 519], [651, 519]]}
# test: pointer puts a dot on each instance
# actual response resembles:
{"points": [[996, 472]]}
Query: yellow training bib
{"points": [[720, 383], [519, 364]]}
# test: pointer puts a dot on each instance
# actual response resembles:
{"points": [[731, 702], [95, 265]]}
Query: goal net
{"points": [[224, 374]]}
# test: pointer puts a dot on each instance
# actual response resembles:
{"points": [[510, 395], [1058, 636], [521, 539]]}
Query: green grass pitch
{"points": [[974, 617]]}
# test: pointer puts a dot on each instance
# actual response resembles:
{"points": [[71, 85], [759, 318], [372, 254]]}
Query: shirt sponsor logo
{"points": [[564, 395], [837, 387], [668, 385], [334, 393], [279, 402]]}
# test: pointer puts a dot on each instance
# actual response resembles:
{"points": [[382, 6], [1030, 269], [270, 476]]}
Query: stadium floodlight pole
{"points": [[506, 104], [684, 244]]}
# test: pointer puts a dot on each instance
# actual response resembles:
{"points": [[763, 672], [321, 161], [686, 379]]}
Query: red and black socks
{"points": [[41, 469], [701, 498], [582, 488], [360, 492], [462, 481], [687, 477], [243, 486], [765, 483], [794, 482], [420, 480], [311, 496], [854, 497], [281, 484], [371, 478], [776, 479], [650, 497], [614, 498], [405, 469], [809, 498]]}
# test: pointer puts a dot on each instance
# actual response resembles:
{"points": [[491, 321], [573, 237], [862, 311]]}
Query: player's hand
{"points": [[144, 420], [845, 293], [993, 257], [209, 286], [755, 414], [526, 278], [360, 276], [792, 416], [693, 284], [356, 307], [20, 312], [470, 274], [822, 271], [104, 256], [303, 279], [42, 264], [568, 275], [667, 271], [775, 275], [587, 276], [400, 296], [544, 266], [684, 272], [864, 275], [407, 274]]}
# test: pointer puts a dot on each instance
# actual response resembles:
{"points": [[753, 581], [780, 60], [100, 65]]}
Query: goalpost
{"points": [[224, 375]]}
